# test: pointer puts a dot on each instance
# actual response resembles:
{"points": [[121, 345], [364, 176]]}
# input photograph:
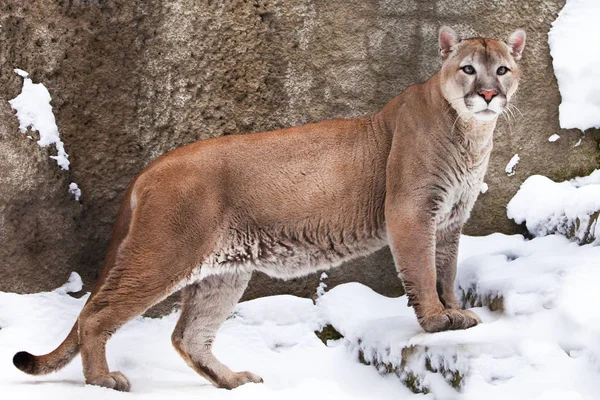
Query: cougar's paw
{"points": [[114, 380], [239, 378], [448, 320]]}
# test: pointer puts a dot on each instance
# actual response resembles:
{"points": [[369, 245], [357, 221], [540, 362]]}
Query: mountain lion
{"points": [[290, 202]]}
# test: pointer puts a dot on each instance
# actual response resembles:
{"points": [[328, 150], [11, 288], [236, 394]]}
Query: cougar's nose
{"points": [[487, 95]]}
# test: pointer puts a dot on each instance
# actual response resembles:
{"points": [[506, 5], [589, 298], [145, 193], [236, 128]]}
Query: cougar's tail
{"points": [[40, 365], [69, 348]]}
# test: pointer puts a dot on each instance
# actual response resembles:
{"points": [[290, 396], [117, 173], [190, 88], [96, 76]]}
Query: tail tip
{"points": [[25, 362]]}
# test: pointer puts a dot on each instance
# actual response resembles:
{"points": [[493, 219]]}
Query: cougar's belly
{"points": [[286, 255]]}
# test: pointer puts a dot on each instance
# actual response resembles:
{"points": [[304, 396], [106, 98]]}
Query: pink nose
{"points": [[487, 95]]}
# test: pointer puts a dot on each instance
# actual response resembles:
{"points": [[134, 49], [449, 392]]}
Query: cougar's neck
{"points": [[440, 118]]}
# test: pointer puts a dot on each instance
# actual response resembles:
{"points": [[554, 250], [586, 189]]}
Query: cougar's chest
{"points": [[462, 189]]}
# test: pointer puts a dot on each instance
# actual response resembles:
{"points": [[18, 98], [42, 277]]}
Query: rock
{"points": [[131, 80], [420, 363], [327, 333]]}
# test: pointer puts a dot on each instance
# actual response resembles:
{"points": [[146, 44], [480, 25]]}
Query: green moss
{"points": [[595, 134], [389, 368], [470, 298], [428, 365], [362, 359], [567, 173], [496, 303], [454, 378], [414, 384], [589, 235], [328, 333]]}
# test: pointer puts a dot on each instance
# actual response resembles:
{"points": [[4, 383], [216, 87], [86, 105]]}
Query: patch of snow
{"points": [[591, 179], [572, 37], [484, 187], [73, 285], [21, 73], [322, 285], [34, 111], [75, 190], [554, 138], [570, 208], [512, 164]]}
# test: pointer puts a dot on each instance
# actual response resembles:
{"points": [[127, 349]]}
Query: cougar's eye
{"points": [[468, 69], [502, 70]]}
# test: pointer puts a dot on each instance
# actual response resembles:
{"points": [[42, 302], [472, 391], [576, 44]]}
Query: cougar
{"points": [[290, 202]]}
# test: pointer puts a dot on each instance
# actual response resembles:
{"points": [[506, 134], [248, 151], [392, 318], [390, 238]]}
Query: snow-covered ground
{"points": [[542, 341], [273, 337]]}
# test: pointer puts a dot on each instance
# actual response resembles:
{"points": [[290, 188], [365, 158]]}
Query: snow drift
{"points": [[570, 208]]}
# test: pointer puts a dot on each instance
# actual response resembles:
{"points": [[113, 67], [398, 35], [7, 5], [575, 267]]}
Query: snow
{"points": [[21, 73], [74, 190], [273, 337], [572, 38], [73, 285], [539, 339], [322, 285], [512, 164], [570, 208], [542, 338], [554, 138], [34, 111]]}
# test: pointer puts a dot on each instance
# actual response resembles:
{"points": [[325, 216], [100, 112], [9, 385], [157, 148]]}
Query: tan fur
{"points": [[290, 202]]}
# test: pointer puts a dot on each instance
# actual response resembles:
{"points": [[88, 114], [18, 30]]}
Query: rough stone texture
{"points": [[131, 80]]}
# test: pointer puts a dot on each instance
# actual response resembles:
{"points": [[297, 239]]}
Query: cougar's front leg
{"points": [[445, 261], [446, 252], [411, 232]]}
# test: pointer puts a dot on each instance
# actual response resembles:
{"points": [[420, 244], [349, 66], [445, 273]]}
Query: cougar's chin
{"points": [[485, 115]]}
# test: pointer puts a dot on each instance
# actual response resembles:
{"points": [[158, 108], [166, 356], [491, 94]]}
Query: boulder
{"points": [[131, 80]]}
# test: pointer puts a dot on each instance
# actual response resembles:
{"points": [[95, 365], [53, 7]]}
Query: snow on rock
{"points": [[570, 208], [554, 138], [34, 111], [484, 187], [542, 340], [74, 284], [512, 164], [322, 285], [572, 37], [75, 190]]}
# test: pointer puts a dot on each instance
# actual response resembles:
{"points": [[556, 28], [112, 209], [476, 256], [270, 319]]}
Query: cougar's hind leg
{"points": [[206, 304], [147, 270], [126, 293]]}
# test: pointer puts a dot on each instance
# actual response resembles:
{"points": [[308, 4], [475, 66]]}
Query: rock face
{"points": [[131, 80]]}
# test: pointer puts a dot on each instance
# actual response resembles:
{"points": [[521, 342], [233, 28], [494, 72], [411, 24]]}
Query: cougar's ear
{"points": [[447, 38], [516, 42]]}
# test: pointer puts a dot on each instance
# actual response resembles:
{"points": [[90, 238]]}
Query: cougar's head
{"points": [[479, 76]]}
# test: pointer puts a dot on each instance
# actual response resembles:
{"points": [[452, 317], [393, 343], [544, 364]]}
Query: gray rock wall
{"points": [[131, 80]]}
